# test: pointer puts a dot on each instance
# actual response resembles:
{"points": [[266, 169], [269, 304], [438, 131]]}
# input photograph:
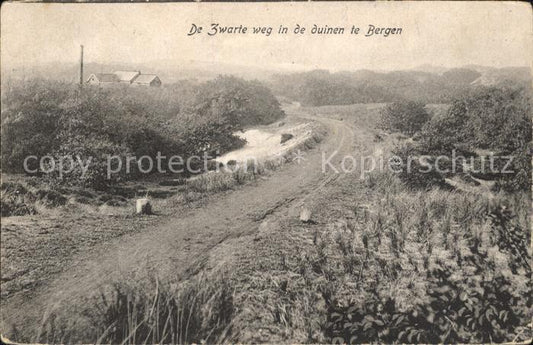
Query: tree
{"points": [[406, 117], [496, 119], [236, 102]]}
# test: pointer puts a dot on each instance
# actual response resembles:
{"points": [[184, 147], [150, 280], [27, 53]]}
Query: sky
{"points": [[437, 33]]}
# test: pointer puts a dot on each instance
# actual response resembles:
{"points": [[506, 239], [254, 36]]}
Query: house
{"points": [[147, 80], [102, 79], [127, 76], [133, 78]]}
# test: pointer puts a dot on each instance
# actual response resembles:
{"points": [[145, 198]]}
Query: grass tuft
{"points": [[129, 312]]}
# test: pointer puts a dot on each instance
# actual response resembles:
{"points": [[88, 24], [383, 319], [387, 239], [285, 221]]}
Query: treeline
{"points": [[320, 87], [484, 124], [188, 118]]}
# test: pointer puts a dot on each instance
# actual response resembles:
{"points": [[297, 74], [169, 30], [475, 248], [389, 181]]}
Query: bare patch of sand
{"points": [[264, 143]]}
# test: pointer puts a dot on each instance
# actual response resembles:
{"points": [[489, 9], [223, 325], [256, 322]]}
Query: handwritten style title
{"points": [[370, 30]]}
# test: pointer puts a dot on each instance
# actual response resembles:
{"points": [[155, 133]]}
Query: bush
{"points": [[86, 200], [31, 115], [15, 206], [174, 182], [412, 172], [13, 188], [115, 202], [465, 312], [50, 198], [491, 119], [404, 117], [45, 118], [16, 200], [238, 102]]}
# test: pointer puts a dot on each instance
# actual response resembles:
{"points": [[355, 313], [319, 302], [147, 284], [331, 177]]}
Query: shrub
{"points": [[30, 121], [19, 200], [41, 118], [238, 102], [404, 117], [12, 204], [495, 119], [86, 200], [50, 198], [469, 311], [93, 152], [16, 200], [320, 87], [13, 187], [412, 172], [115, 202]]}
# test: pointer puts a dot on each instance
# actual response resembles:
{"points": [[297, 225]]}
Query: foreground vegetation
{"points": [[429, 267]]}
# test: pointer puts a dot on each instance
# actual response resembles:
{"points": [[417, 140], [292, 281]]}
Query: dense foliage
{"points": [[404, 117], [494, 120], [321, 87], [237, 102], [428, 267], [42, 117], [485, 133]]}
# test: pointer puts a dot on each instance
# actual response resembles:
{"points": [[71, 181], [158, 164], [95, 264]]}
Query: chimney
{"points": [[81, 66]]}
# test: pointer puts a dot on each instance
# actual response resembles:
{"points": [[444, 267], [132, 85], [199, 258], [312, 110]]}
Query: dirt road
{"points": [[180, 244]]}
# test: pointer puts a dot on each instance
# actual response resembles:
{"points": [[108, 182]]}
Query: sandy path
{"points": [[185, 239]]}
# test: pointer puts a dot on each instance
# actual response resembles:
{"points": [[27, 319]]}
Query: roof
{"points": [[106, 77], [126, 76], [145, 78]]}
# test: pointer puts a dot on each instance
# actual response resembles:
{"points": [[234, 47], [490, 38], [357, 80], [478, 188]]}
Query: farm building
{"points": [[127, 76], [147, 79], [102, 78], [134, 78]]}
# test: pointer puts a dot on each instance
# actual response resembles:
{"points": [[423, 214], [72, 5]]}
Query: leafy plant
{"points": [[405, 117]]}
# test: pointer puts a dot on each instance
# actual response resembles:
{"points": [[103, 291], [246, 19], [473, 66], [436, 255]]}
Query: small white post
{"points": [[143, 206]]}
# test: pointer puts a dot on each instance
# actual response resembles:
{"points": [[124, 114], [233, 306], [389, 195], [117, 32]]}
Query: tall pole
{"points": [[81, 67]]}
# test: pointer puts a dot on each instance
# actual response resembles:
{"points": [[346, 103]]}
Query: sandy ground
{"points": [[265, 143]]}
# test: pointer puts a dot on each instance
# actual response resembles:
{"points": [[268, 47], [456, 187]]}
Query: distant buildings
{"points": [[102, 79], [132, 78]]}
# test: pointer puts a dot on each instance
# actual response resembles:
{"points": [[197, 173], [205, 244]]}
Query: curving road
{"points": [[175, 247]]}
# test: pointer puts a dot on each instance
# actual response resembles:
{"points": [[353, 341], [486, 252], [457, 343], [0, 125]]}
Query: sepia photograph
{"points": [[266, 172]]}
